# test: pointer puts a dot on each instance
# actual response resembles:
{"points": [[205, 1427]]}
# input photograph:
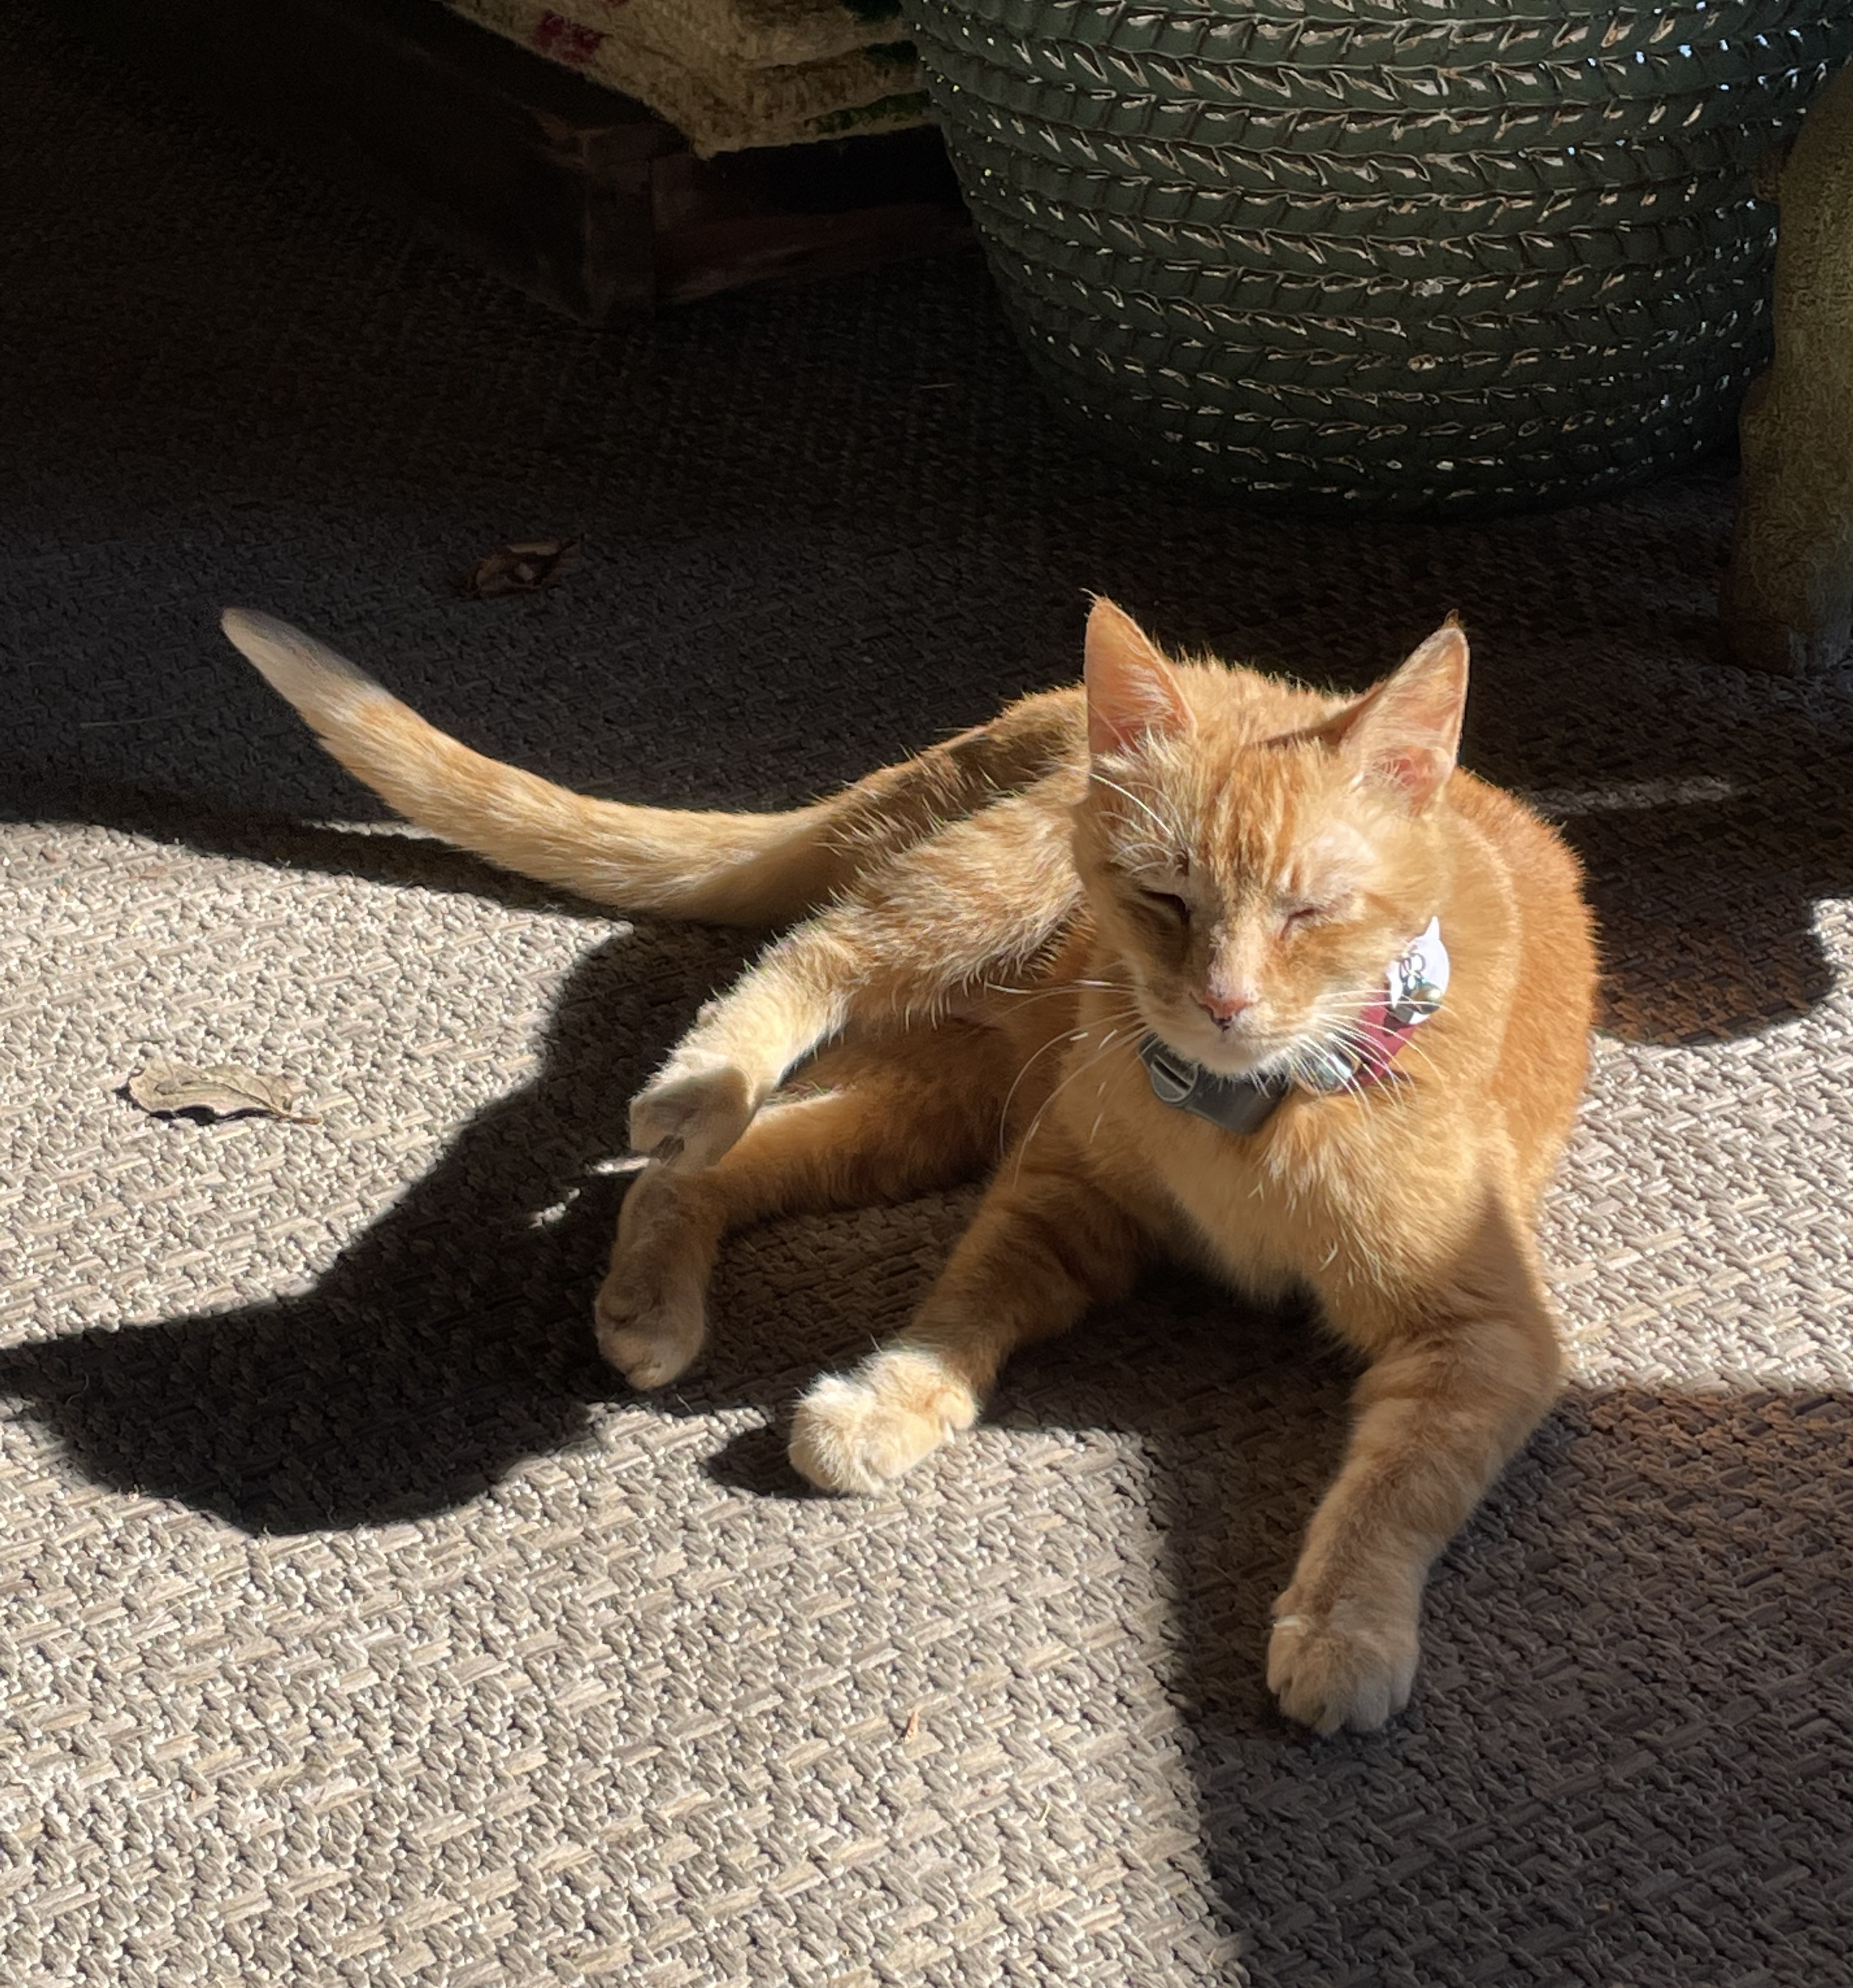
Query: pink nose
{"points": [[1222, 1009]]}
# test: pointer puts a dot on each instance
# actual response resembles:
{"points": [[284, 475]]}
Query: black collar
{"points": [[1236, 1103]]}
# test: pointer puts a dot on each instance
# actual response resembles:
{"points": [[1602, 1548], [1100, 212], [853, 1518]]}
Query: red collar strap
{"points": [[1412, 991]]}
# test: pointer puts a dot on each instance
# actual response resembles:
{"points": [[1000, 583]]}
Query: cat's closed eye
{"points": [[1166, 904]]}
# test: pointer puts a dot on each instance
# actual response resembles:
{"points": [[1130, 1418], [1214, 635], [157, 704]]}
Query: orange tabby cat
{"points": [[1223, 968]]}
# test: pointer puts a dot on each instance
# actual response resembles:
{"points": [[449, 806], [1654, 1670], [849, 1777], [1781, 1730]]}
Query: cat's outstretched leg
{"points": [[742, 1045], [1046, 1245], [983, 900], [1460, 1375], [866, 1127]]}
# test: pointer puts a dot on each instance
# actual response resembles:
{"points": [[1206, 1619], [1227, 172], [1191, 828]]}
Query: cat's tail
{"points": [[729, 869]]}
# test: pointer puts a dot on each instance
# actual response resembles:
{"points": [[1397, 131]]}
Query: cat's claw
{"points": [[861, 1432], [689, 1118], [1328, 1671]]}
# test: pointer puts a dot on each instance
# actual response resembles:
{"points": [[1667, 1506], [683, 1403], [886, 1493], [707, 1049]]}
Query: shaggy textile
{"points": [[713, 79]]}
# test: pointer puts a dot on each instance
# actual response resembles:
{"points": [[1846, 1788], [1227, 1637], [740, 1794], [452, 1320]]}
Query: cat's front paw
{"points": [[688, 1118], [859, 1431], [1349, 1665]]}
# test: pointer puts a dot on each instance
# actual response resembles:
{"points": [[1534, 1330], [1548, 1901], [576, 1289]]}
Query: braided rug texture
{"points": [[356, 1626]]}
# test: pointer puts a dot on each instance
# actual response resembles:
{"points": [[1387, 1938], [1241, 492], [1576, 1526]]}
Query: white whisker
{"points": [[1062, 987], [1157, 821], [1003, 1120], [1080, 1070]]}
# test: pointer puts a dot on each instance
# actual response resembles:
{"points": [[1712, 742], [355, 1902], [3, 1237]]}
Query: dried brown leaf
{"points": [[220, 1089], [526, 567]]}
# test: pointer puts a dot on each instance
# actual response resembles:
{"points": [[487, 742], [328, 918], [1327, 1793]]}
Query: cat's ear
{"points": [[1132, 691], [1405, 733]]}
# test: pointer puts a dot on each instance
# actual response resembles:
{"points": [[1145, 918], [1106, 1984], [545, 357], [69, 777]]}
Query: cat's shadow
{"points": [[450, 1339]]}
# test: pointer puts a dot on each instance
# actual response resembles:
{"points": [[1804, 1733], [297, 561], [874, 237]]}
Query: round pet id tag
{"points": [[1419, 980]]}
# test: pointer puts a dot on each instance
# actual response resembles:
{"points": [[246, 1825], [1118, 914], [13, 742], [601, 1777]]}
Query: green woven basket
{"points": [[1393, 255]]}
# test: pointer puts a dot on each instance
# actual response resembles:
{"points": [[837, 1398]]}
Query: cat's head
{"points": [[1255, 852]]}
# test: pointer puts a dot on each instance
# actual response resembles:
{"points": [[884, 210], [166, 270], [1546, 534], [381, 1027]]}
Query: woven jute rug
{"points": [[356, 1626]]}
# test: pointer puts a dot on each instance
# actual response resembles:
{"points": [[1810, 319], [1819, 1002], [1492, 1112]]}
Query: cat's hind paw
{"points": [[1327, 1672], [650, 1351], [861, 1432], [650, 1315], [688, 1119], [651, 1339]]}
